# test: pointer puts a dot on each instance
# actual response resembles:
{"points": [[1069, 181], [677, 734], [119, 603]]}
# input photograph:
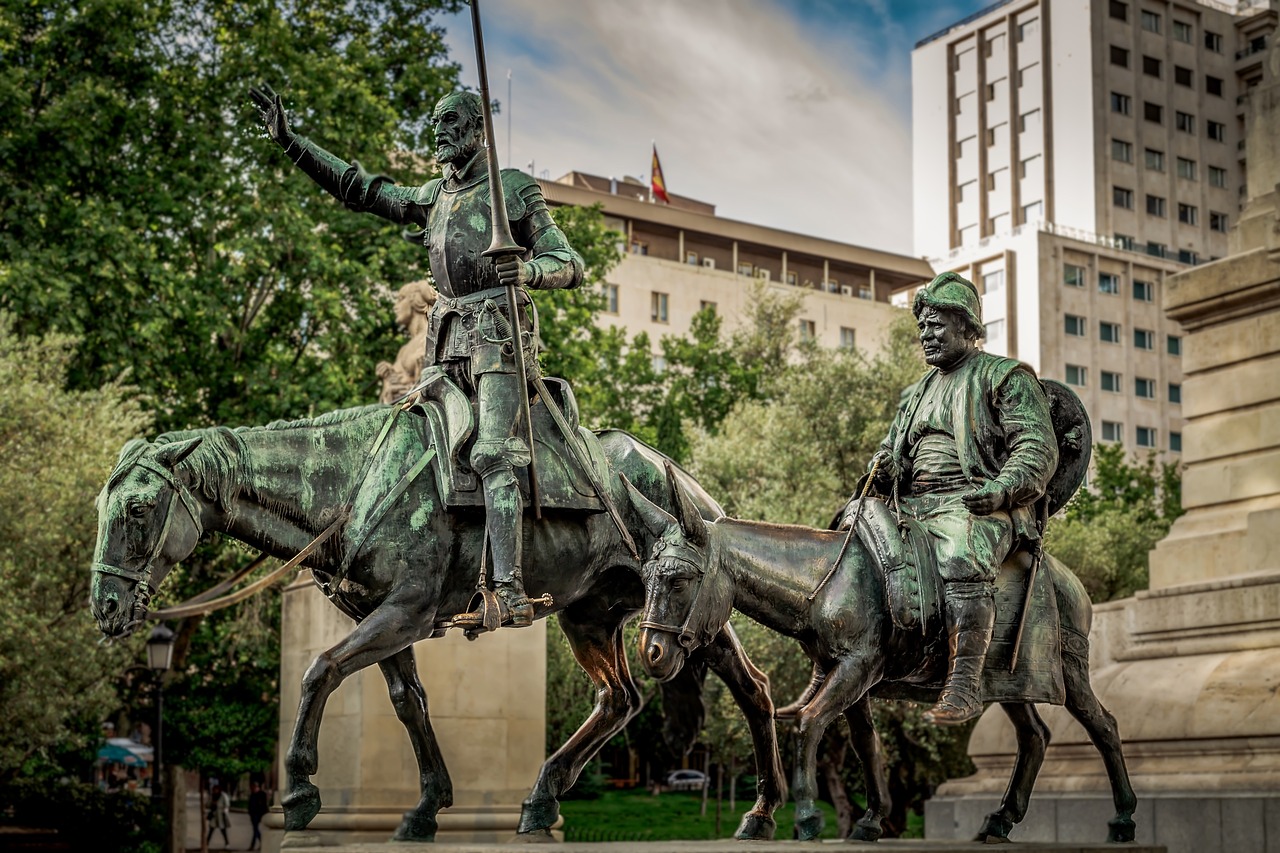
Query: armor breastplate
{"points": [[458, 232]]}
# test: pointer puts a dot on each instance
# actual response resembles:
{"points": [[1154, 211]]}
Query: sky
{"points": [[795, 114]]}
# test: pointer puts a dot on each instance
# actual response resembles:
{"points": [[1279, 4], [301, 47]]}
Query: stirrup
{"points": [[953, 709]]}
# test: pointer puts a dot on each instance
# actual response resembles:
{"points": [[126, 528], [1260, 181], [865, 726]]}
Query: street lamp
{"points": [[159, 658]]}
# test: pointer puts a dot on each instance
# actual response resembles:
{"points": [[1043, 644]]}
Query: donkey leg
{"points": [[1105, 734], [866, 745], [846, 683], [1033, 739], [750, 689], [597, 645], [387, 630], [410, 702]]}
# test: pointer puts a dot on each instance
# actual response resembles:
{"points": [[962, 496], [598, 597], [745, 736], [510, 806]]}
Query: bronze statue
{"points": [[471, 326], [413, 305], [400, 563]]}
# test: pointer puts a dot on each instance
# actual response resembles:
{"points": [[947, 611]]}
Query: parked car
{"points": [[685, 780]]}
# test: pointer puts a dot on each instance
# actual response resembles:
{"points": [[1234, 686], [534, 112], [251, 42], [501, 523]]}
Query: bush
{"points": [[85, 817]]}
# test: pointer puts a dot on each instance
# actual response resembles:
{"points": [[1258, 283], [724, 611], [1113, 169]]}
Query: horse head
{"points": [[687, 601], [141, 532]]}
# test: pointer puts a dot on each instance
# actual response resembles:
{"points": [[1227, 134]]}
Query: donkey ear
{"points": [[691, 521], [169, 455], [653, 516]]}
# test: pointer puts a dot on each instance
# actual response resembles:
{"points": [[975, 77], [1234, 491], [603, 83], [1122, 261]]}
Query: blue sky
{"points": [[789, 113]]}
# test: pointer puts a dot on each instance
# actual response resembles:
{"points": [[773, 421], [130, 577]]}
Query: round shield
{"points": [[1075, 443]]}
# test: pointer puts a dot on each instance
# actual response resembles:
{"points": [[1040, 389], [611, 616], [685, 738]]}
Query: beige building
{"points": [[681, 258], [1069, 156]]}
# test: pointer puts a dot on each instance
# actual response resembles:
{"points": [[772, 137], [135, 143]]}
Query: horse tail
{"points": [[683, 711]]}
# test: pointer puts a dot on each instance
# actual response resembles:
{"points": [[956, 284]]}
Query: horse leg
{"points": [[597, 645], [750, 689], [1033, 740], [846, 683], [1105, 734], [866, 745], [387, 630], [410, 702]]}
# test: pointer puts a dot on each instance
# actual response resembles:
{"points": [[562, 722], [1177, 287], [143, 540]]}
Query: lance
{"points": [[503, 245]]}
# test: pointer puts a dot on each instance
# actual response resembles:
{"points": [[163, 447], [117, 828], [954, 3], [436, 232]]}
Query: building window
{"points": [[1213, 41], [1143, 291], [745, 268], [704, 305], [1119, 56], [1076, 375], [1109, 333], [1028, 29], [1108, 282], [1154, 160], [1186, 168], [658, 307], [639, 248], [1182, 32], [1144, 339], [1151, 22], [1174, 345], [864, 291], [1112, 431], [1188, 214], [1153, 112], [995, 330], [691, 258], [1175, 442], [1217, 177], [1119, 11], [1183, 76], [1111, 381], [1155, 205], [659, 364], [1146, 437], [993, 282], [1213, 85], [1157, 250], [1122, 197], [1122, 104], [1024, 166], [1151, 66], [1185, 122], [1187, 256], [610, 292], [1074, 326], [1122, 151], [808, 330], [1145, 388], [848, 338], [1175, 392], [792, 278], [1217, 221], [1217, 131], [1073, 275], [1033, 211]]}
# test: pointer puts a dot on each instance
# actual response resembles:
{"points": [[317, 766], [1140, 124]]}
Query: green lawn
{"points": [[637, 815]]}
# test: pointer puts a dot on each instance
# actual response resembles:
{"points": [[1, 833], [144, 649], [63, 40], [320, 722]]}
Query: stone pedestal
{"points": [[1191, 666], [487, 701]]}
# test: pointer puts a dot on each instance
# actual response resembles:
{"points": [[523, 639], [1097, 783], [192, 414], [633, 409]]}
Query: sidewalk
{"points": [[238, 834]]}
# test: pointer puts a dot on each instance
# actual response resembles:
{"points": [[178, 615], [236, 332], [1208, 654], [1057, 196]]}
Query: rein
{"points": [[684, 636]]}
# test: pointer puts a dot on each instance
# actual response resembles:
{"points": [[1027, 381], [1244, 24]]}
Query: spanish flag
{"points": [[657, 185]]}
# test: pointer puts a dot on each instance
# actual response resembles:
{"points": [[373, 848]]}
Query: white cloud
{"points": [[748, 112]]}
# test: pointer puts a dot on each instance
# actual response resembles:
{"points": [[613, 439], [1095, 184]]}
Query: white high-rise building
{"points": [[1068, 155]]}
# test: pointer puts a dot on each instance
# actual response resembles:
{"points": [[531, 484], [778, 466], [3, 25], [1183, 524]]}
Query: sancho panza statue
{"points": [[969, 454], [470, 329]]}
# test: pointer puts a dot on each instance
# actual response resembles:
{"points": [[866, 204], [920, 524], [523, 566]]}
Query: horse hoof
{"points": [[416, 828], [537, 816], [866, 831], [809, 827], [537, 836], [1121, 830], [995, 829], [756, 827], [300, 806]]}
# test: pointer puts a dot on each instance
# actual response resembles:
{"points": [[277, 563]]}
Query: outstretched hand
{"points": [[988, 498], [271, 111]]}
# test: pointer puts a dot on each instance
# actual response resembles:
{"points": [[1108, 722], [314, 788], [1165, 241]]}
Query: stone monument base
{"points": [[339, 829], [894, 845]]}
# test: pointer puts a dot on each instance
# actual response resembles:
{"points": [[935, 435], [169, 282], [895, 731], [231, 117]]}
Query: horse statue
{"points": [[278, 487], [699, 572]]}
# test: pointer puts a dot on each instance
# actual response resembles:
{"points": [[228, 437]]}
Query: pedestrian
{"points": [[258, 804], [219, 814]]}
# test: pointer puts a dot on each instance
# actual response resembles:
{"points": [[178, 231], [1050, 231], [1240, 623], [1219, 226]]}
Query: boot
{"points": [[790, 712], [971, 613], [504, 516]]}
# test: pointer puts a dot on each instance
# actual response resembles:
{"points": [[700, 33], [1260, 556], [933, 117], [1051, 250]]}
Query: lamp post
{"points": [[159, 659]]}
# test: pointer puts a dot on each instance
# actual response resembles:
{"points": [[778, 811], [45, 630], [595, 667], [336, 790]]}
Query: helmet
{"points": [[951, 292]]}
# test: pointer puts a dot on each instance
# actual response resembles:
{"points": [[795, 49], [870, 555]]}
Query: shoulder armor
{"points": [[517, 186], [429, 192]]}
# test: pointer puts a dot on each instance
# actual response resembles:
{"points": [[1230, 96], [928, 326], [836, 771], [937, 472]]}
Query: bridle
{"points": [[178, 491], [684, 635]]}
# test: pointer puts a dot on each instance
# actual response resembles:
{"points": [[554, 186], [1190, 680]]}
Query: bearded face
{"points": [[458, 131]]}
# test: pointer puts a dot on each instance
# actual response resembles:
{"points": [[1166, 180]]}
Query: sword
{"points": [[503, 245]]}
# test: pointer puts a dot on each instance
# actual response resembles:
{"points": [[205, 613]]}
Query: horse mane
{"points": [[341, 416], [220, 463], [771, 525]]}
